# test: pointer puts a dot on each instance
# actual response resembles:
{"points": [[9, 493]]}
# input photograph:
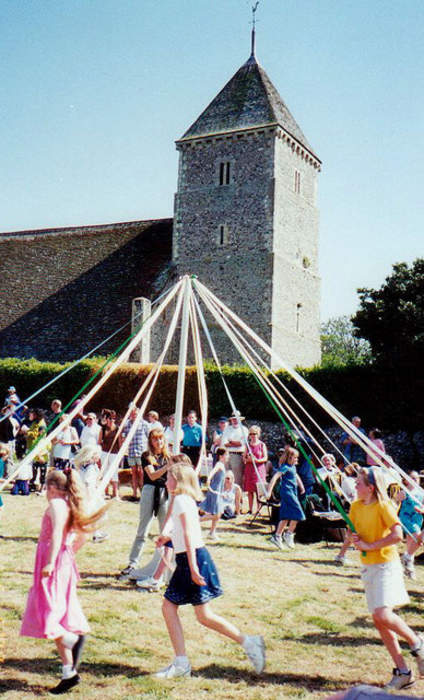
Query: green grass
{"points": [[312, 614]]}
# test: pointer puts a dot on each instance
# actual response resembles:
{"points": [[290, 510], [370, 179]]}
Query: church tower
{"points": [[246, 217]]}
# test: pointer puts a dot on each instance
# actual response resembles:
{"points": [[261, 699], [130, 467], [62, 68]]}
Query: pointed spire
{"points": [[253, 44]]}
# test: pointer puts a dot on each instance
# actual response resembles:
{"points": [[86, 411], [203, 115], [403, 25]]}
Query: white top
{"points": [[187, 505], [90, 434], [236, 434], [89, 474], [63, 451], [156, 425], [25, 472], [170, 436]]}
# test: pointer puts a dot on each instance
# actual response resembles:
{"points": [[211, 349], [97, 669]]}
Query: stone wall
{"points": [[296, 282], [238, 269], [264, 263], [68, 289]]}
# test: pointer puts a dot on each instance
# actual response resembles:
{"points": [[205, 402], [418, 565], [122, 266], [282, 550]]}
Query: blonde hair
{"points": [[351, 469], [229, 474], [151, 457], [331, 458], [187, 481], [374, 477], [4, 450], [70, 482], [289, 452], [87, 454], [181, 458]]}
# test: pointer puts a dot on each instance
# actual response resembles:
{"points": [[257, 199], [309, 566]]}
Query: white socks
{"points": [[68, 671], [181, 661]]}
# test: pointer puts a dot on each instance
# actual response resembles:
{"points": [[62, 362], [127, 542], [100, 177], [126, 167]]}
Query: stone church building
{"points": [[245, 222]]}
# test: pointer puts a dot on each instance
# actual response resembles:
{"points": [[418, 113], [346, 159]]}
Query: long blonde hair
{"points": [[151, 457], [187, 481], [70, 482], [373, 476]]}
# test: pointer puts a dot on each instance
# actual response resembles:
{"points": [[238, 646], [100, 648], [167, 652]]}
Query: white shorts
{"points": [[384, 585], [106, 460]]}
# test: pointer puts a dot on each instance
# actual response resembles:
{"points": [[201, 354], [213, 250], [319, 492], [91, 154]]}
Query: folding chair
{"points": [[264, 502]]}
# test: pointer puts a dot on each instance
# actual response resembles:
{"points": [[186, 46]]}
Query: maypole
{"points": [[182, 361]]}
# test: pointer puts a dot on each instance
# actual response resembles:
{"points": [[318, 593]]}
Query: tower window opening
{"points": [[222, 234], [224, 172], [297, 181]]}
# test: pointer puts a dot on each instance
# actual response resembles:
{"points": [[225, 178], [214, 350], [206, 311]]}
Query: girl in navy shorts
{"points": [[195, 579]]}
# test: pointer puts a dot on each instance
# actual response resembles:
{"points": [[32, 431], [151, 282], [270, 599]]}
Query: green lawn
{"points": [[312, 614]]}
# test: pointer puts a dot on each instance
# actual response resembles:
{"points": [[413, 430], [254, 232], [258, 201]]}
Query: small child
{"points": [[86, 461], [231, 497], [377, 531], [195, 579], [348, 486], [290, 509], [412, 522], [53, 610], [23, 477], [212, 505]]}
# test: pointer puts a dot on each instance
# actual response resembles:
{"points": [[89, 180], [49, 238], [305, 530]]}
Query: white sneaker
{"points": [[276, 539], [213, 537], [100, 537], [288, 538], [173, 671], [150, 584], [254, 647], [340, 559], [419, 656], [400, 680]]}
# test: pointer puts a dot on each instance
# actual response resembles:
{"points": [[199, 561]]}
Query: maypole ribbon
{"points": [[44, 441], [338, 506]]}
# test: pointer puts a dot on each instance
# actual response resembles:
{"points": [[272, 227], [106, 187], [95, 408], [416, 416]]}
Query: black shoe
{"points": [[65, 685], [77, 651]]}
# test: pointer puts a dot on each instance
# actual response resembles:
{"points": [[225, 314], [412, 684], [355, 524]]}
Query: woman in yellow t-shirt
{"points": [[377, 531]]}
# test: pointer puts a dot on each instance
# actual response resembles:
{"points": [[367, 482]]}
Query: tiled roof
{"points": [[248, 99]]}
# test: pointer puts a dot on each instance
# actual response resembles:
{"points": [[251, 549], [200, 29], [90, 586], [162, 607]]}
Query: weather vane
{"points": [[254, 8]]}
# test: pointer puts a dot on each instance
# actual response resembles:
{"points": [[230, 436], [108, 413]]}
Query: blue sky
{"points": [[95, 92]]}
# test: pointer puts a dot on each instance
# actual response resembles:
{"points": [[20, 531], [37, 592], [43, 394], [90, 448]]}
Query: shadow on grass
{"points": [[232, 675], [335, 573], [323, 562], [108, 585], [49, 667], [19, 539], [6, 686], [90, 574], [337, 640], [265, 548]]}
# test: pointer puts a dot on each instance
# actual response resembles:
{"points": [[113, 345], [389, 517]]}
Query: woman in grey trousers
{"points": [[154, 496]]}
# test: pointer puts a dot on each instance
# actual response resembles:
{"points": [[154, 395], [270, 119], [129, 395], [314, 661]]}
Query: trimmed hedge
{"points": [[380, 397]]}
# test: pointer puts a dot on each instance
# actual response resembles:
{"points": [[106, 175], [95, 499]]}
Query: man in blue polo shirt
{"points": [[192, 440]]}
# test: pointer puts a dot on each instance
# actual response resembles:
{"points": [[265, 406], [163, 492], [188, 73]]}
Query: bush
{"points": [[380, 396]]}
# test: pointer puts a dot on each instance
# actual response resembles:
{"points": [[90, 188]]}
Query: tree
{"points": [[392, 318], [340, 346]]}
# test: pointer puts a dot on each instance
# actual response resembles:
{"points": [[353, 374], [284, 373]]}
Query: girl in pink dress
{"points": [[53, 610], [258, 450]]}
